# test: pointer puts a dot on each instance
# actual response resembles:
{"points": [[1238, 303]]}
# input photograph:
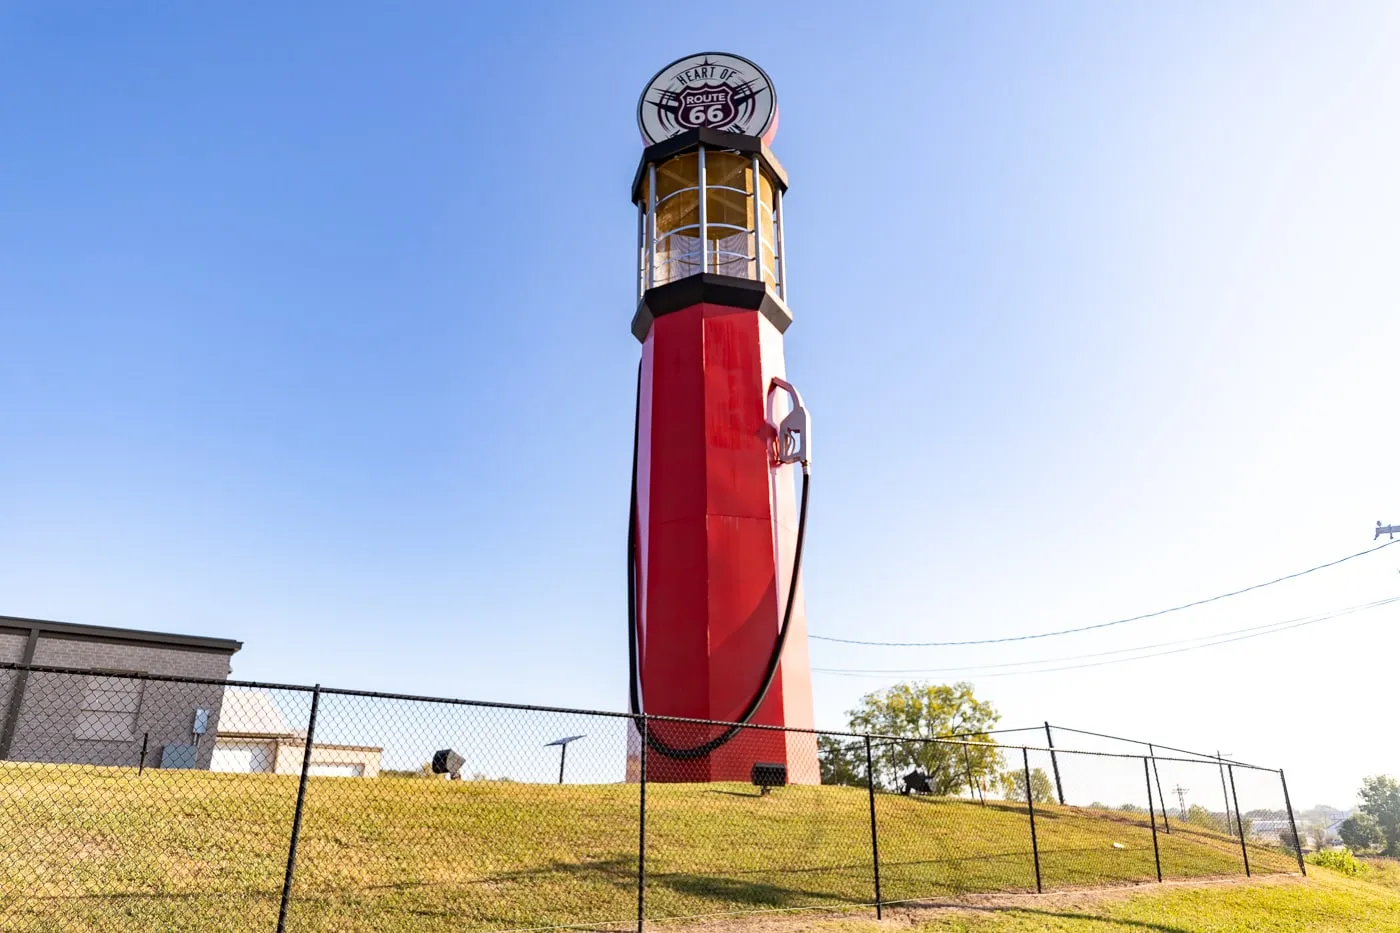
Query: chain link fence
{"points": [[132, 801]]}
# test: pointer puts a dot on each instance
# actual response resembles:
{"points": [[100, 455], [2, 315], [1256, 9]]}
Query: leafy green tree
{"points": [[925, 711], [1360, 833], [1380, 797], [1198, 815], [842, 760], [1013, 785]]}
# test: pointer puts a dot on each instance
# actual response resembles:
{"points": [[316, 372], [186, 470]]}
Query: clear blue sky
{"points": [[314, 333]]}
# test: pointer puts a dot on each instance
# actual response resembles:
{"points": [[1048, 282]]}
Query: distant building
{"points": [[99, 716], [1278, 829], [254, 737]]}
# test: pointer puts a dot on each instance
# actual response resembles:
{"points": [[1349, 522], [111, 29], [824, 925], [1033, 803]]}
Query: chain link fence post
{"points": [[1166, 824], [1055, 765], [642, 829], [1030, 809], [1239, 819], [296, 816], [974, 791], [1225, 792], [1152, 815], [874, 834], [1293, 824]]}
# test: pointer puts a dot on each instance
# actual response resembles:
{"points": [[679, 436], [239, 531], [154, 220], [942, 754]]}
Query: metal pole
{"points": [[1297, 843], [1244, 850], [874, 835], [651, 224], [642, 834], [1156, 852], [641, 249], [1166, 824], [757, 220], [1030, 808], [781, 244], [563, 750], [1221, 765], [296, 816], [1055, 765], [141, 765], [971, 787], [704, 214]]}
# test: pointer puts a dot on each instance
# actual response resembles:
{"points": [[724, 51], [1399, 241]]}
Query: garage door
{"points": [[242, 757], [335, 770]]}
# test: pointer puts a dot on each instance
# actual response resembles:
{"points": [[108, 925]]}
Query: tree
{"points": [[1198, 815], [842, 760], [1013, 785], [1380, 798], [925, 711], [1319, 834], [1360, 832]]}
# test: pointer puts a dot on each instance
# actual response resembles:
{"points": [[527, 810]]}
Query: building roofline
{"points": [[108, 633], [290, 738]]}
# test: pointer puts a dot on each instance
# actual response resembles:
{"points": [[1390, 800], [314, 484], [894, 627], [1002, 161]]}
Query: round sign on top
{"points": [[713, 90]]}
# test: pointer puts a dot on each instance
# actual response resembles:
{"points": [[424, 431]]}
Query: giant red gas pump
{"points": [[717, 626]]}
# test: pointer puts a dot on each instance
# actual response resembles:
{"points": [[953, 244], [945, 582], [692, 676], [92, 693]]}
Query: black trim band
{"points": [[709, 288]]}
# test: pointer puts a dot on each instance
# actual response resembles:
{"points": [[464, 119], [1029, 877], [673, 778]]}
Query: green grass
{"points": [[1383, 871], [99, 849], [1325, 902]]}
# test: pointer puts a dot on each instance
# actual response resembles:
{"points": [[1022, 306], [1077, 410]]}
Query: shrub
{"points": [[1361, 831], [1339, 860]]}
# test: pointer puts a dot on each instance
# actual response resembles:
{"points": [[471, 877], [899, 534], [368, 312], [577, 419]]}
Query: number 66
{"points": [[699, 115]]}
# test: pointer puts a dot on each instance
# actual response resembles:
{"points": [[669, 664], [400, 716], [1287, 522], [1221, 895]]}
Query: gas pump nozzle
{"points": [[793, 435]]}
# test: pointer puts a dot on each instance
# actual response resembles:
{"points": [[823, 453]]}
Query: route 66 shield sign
{"points": [[714, 90]]}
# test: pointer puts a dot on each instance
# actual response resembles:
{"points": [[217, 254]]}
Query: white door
{"points": [[335, 770], [242, 757]]}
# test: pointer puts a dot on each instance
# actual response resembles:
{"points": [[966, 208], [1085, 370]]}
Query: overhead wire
{"points": [[1080, 657], [1218, 640], [1101, 625]]}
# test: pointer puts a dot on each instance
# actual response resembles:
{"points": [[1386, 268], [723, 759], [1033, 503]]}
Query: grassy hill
{"points": [[1325, 902], [99, 849]]}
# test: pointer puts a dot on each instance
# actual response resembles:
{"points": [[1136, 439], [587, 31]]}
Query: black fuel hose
{"points": [[635, 688]]}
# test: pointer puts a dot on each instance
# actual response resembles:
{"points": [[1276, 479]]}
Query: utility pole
{"points": [[1391, 530], [1181, 798]]}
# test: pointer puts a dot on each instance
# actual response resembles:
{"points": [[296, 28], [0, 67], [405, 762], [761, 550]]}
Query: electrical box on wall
{"points": [[201, 722], [178, 756]]}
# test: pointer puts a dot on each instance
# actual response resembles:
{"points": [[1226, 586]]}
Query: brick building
{"points": [[101, 717]]}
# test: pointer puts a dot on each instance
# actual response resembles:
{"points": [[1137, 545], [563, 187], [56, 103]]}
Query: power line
{"points": [[1271, 629], [1081, 657], [1101, 625]]}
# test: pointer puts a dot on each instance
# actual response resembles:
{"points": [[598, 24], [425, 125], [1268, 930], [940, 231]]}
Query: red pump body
{"points": [[716, 531]]}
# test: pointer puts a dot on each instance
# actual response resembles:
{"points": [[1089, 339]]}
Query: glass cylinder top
{"points": [[709, 210]]}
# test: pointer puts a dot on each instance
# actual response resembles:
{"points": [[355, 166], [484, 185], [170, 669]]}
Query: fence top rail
{"points": [[302, 688], [968, 735], [1170, 748], [525, 707], [904, 740]]}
